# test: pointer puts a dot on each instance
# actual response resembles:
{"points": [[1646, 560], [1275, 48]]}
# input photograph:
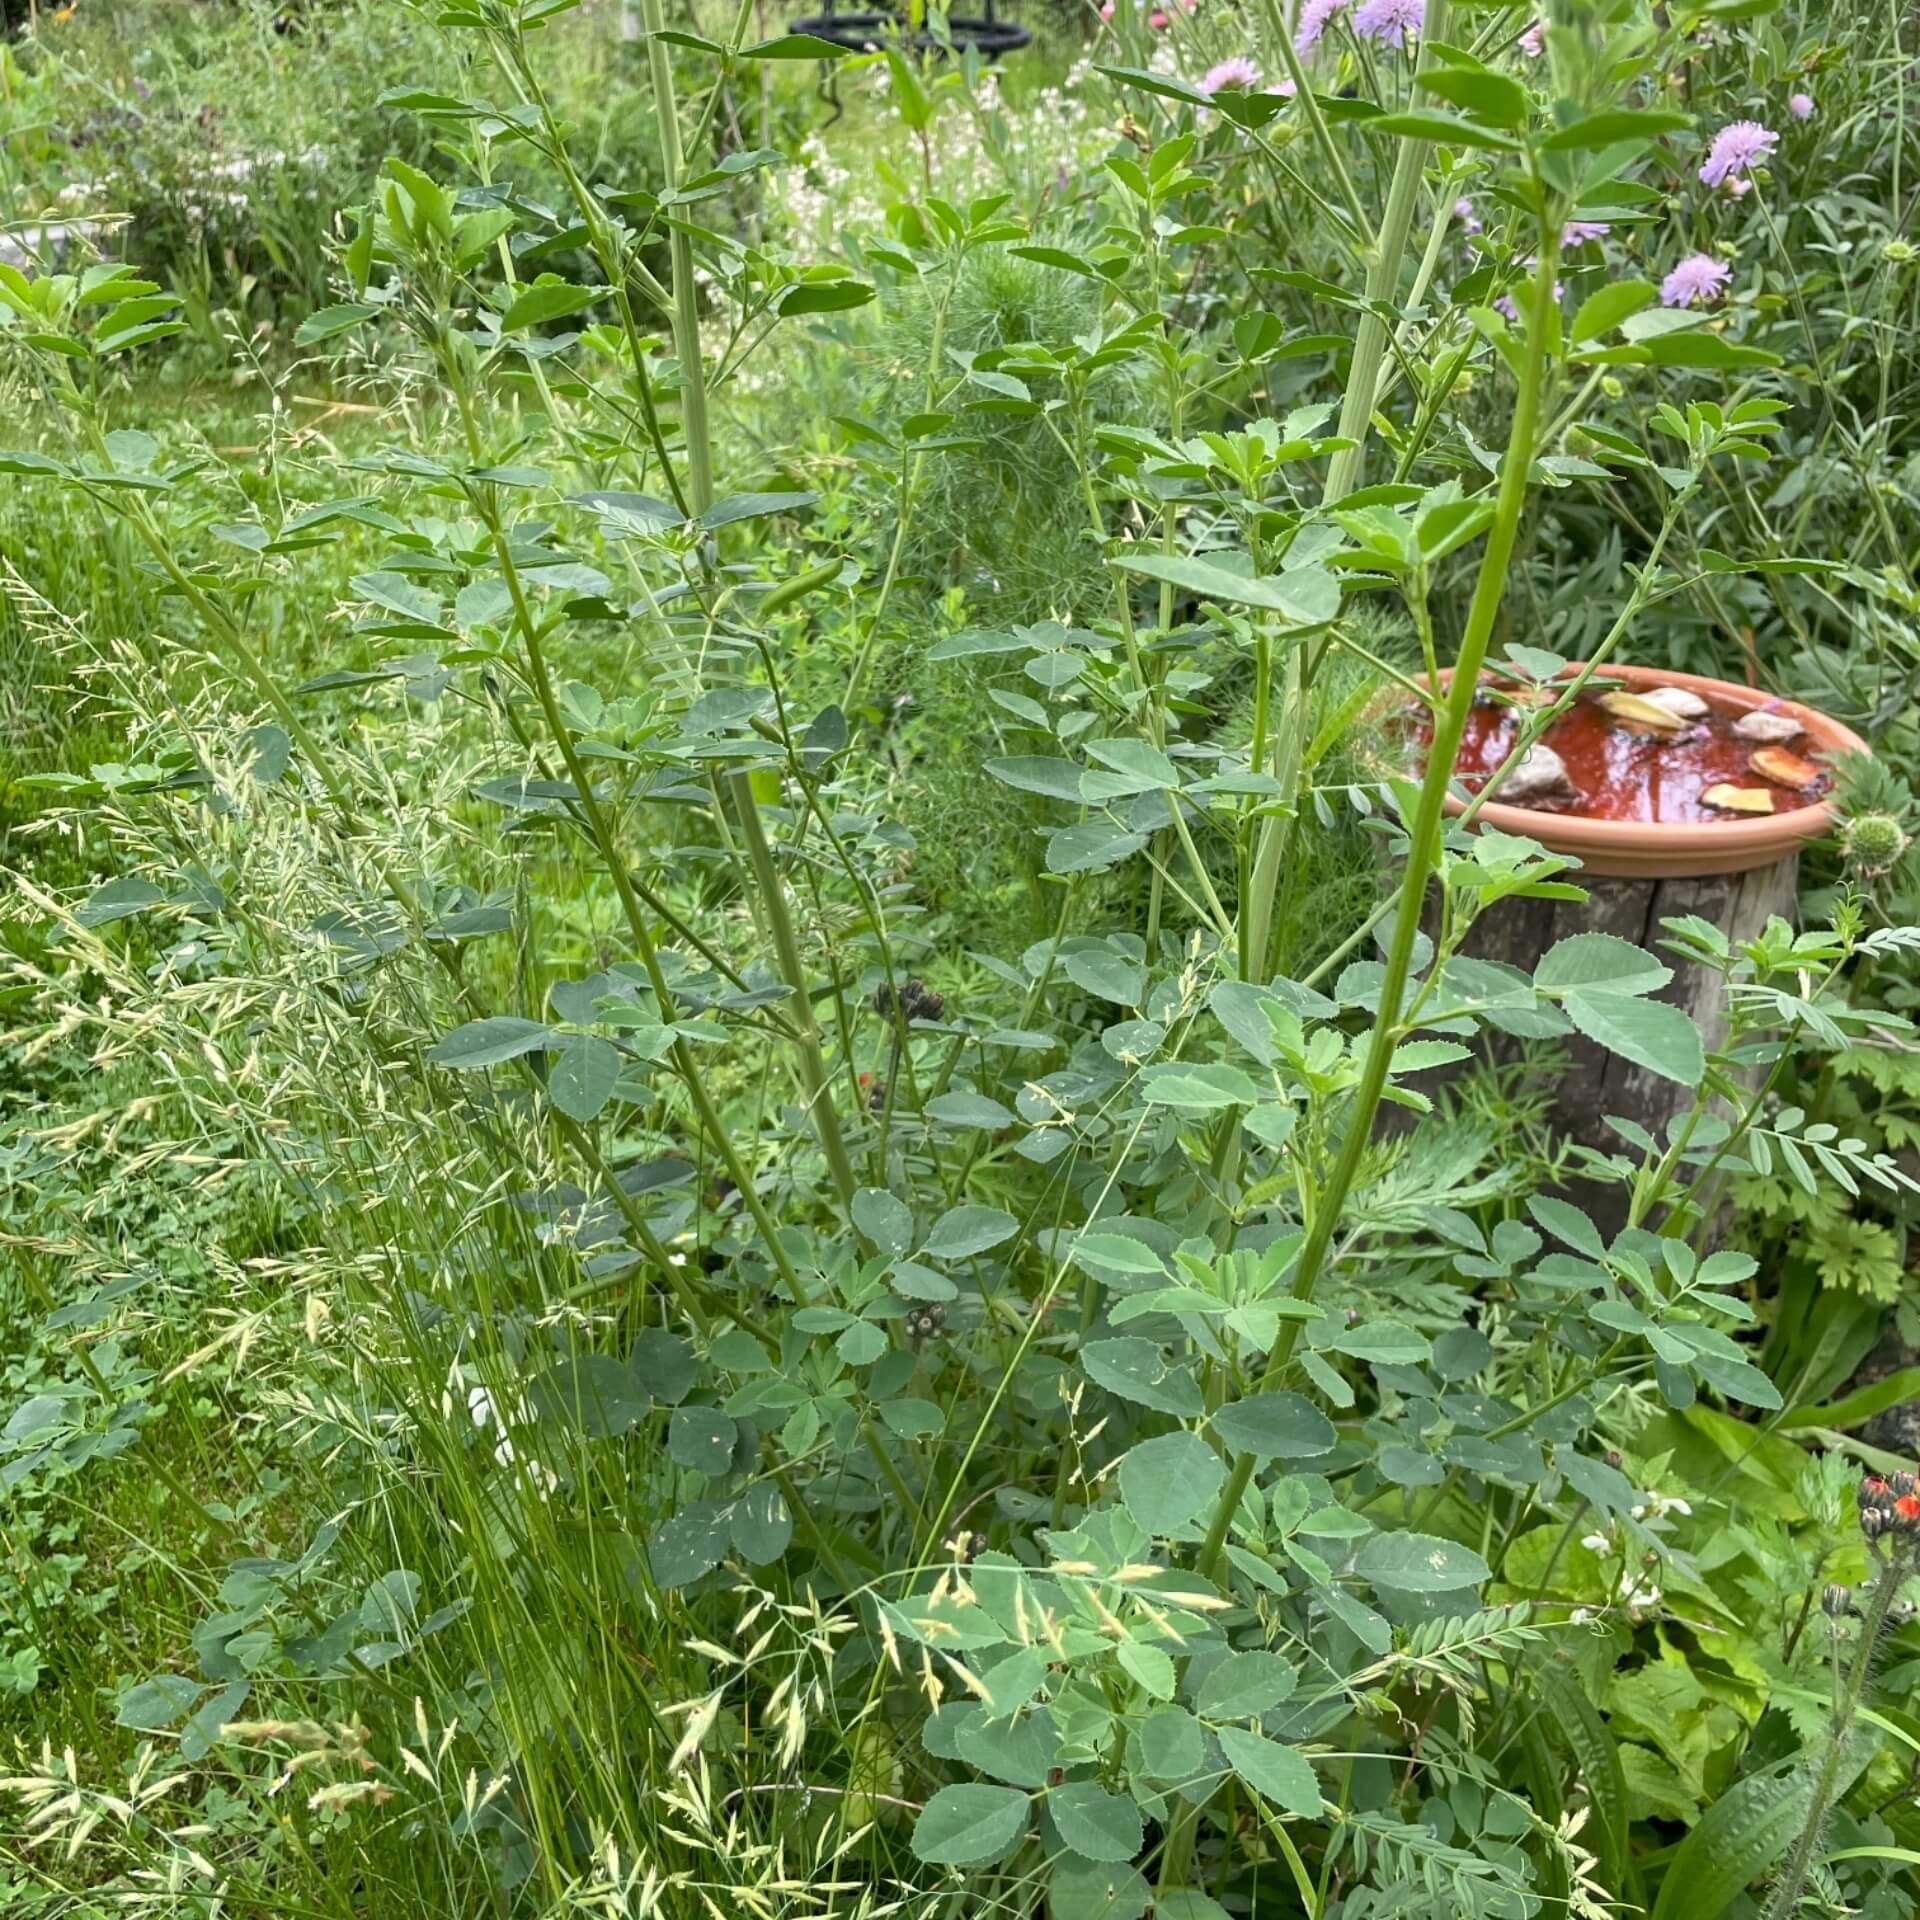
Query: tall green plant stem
{"points": [[1343, 476], [1423, 851], [696, 430], [1786, 1890]]}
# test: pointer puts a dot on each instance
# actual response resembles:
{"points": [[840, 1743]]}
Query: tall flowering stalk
{"points": [[1890, 1521], [1423, 854]]}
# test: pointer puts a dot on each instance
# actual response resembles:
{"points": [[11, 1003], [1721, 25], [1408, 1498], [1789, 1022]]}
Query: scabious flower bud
{"points": [[1901, 1484], [1870, 1492], [1872, 844], [1835, 1601], [1874, 1521], [1897, 252]]}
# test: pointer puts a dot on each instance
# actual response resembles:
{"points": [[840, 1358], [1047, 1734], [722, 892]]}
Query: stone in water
{"points": [[1739, 799], [1541, 772], [1643, 715], [1787, 769], [1775, 729], [1689, 706]]}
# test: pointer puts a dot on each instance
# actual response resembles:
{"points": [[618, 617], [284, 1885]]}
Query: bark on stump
{"points": [[1596, 1083]]}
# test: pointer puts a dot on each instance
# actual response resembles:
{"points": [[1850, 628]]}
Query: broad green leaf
{"points": [[1487, 96], [1141, 761], [1171, 1744], [1197, 1087], [1091, 847], [1096, 1890], [1275, 1426], [1165, 1482], [691, 1543], [398, 594], [962, 1231], [1119, 1252], [548, 298], [488, 1042], [1744, 1833], [1308, 597], [157, 1704], [1650, 1033], [1601, 312], [1039, 773], [1615, 126], [762, 1526], [1244, 1684], [1447, 128], [1419, 1563], [1276, 1773], [967, 1826], [328, 321], [1568, 1225], [977, 1110], [1151, 1666], [118, 900], [584, 1076], [1382, 1343], [1096, 1824], [593, 1394], [885, 1220], [1110, 975], [1138, 1370], [700, 1439], [794, 46], [1599, 960]]}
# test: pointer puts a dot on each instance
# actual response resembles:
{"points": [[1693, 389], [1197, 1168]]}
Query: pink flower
{"points": [[1736, 148], [1157, 21], [1801, 106], [1314, 16], [1392, 22], [1235, 75], [1532, 42], [1698, 280], [1464, 213], [1286, 89], [1576, 233]]}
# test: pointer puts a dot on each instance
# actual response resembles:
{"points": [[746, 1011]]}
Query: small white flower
{"points": [[1580, 1616], [1597, 1543], [480, 1406], [503, 1453]]}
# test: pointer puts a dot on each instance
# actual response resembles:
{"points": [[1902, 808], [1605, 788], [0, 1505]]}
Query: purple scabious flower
{"points": [[1315, 16], [1236, 74], [1464, 213], [1736, 147], [1533, 42], [1801, 106], [1576, 233], [1392, 22], [1698, 280]]}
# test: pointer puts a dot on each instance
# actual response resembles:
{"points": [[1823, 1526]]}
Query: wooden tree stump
{"points": [[1597, 1083]]}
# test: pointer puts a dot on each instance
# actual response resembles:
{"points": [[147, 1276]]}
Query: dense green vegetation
{"points": [[747, 1162]]}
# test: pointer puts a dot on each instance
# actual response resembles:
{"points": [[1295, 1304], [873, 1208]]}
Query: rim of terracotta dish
{"points": [[1691, 846]]}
